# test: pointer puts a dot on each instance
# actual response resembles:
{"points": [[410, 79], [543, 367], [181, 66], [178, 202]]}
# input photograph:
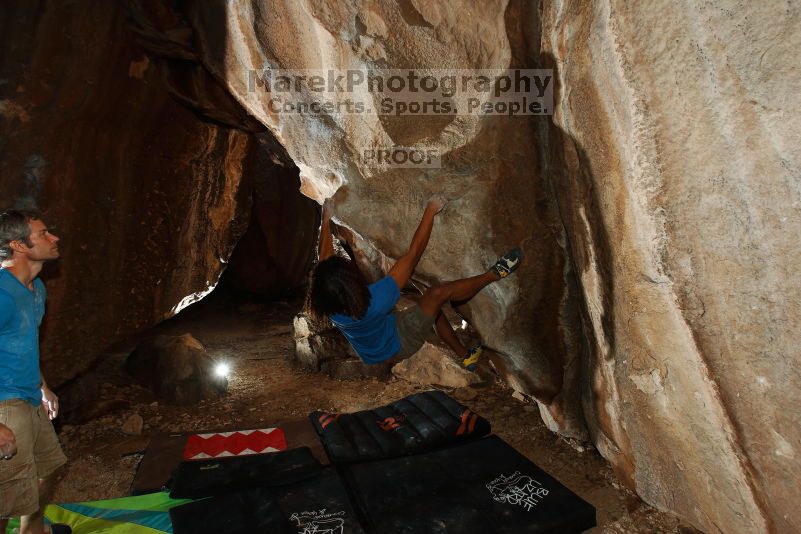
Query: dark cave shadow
{"points": [[568, 189], [567, 169]]}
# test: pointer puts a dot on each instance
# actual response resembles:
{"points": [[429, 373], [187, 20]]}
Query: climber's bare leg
{"points": [[435, 297], [448, 335]]}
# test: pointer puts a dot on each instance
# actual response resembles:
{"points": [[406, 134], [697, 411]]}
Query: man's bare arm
{"points": [[406, 264]]}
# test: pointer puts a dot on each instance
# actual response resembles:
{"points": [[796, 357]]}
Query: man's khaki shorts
{"points": [[38, 455]]}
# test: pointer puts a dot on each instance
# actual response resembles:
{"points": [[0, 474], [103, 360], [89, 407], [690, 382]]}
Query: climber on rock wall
{"points": [[30, 453], [365, 313]]}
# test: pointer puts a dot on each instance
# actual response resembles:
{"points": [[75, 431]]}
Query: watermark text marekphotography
{"points": [[402, 157], [406, 92]]}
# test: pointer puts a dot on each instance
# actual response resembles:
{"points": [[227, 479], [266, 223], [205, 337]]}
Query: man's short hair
{"points": [[15, 225]]}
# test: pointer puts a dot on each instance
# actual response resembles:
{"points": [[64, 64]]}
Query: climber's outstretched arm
{"points": [[326, 249], [406, 264]]}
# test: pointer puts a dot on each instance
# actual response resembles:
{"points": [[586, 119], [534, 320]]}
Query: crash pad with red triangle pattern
{"points": [[238, 443]]}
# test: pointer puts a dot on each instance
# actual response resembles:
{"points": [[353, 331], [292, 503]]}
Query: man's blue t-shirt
{"points": [[21, 312], [374, 336]]}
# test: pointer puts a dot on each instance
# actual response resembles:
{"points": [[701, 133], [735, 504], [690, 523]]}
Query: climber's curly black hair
{"points": [[337, 286]]}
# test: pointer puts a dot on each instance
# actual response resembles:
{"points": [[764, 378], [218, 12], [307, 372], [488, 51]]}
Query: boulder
{"points": [[675, 159], [465, 393], [149, 199], [323, 348], [133, 425], [491, 165], [176, 368], [656, 311], [433, 365]]}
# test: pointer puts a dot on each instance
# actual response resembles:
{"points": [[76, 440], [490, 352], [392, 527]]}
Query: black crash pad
{"points": [[164, 452], [206, 478], [479, 487], [417, 423], [319, 505]]}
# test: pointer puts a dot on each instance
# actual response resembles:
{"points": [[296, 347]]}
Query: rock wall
{"points": [[659, 208], [669, 175], [147, 167], [499, 200], [676, 162], [146, 197]]}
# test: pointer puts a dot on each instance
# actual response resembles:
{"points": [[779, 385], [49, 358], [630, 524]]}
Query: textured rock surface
{"points": [[671, 177], [149, 199], [144, 195], [275, 254], [133, 425], [323, 348], [489, 170], [679, 181], [433, 365]]}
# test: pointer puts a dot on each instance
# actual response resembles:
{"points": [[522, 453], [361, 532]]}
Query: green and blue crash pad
{"points": [[143, 514]]}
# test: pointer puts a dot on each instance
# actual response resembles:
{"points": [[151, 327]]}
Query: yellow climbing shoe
{"points": [[470, 361]]}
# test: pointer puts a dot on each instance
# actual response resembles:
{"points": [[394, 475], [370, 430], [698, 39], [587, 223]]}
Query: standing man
{"points": [[29, 450]]}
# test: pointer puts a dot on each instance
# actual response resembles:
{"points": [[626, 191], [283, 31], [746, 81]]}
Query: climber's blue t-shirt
{"points": [[21, 312], [374, 336]]}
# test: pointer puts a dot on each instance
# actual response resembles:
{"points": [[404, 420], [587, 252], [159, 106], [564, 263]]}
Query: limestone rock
{"points": [[433, 365], [133, 425], [177, 368], [658, 302], [146, 165], [465, 393], [490, 164], [147, 197], [323, 348], [675, 159]]}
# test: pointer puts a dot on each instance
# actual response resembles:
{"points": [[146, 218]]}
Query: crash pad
{"points": [[194, 479], [319, 505], [143, 514], [166, 451], [479, 487], [417, 423]]}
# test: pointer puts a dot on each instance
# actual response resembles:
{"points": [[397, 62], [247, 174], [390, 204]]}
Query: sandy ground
{"points": [[267, 386]]}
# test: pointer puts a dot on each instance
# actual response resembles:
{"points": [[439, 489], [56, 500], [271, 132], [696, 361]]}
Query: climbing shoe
{"points": [[507, 263], [470, 361]]}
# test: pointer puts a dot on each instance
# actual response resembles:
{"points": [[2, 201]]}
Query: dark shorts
{"points": [[413, 327]]}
